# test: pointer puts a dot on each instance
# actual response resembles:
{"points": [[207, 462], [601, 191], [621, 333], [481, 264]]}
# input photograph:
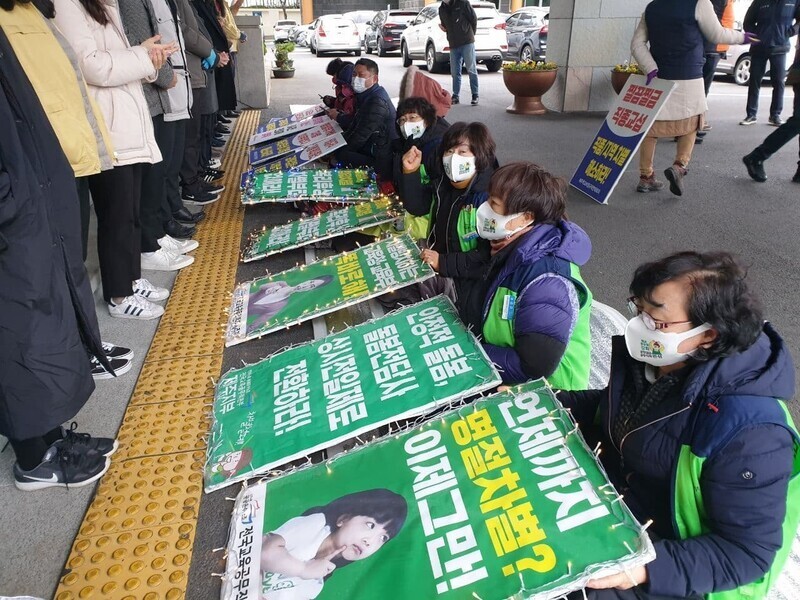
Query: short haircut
{"points": [[477, 136], [420, 106], [371, 65], [718, 295], [525, 187], [334, 66]]}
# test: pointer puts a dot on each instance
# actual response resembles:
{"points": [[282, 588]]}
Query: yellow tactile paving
{"points": [[135, 542]]}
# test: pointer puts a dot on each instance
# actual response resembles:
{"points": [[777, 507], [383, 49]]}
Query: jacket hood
{"points": [[345, 75], [564, 240], [764, 369], [416, 85]]}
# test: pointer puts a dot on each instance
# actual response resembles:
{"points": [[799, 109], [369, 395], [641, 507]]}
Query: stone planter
{"points": [[528, 88], [618, 80], [282, 73]]}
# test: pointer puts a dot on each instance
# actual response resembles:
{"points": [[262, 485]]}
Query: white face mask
{"points": [[459, 168], [359, 84], [413, 129], [492, 225], [657, 348]]}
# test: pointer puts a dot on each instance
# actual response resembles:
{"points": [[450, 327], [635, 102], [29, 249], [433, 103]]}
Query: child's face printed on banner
{"points": [[362, 536]]}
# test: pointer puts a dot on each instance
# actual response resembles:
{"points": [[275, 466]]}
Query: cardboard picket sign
{"points": [[291, 128], [301, 115], [268, 152], [329, 185]]}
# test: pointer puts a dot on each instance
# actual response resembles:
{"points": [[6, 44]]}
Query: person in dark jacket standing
{"points": [[459, 22], [47, 315], [372, 130], [223, 76], [773, 22], [696, 434]]}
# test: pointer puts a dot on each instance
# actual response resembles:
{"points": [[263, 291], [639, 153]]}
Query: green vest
{"points": [[572, 372], [690, 514]]}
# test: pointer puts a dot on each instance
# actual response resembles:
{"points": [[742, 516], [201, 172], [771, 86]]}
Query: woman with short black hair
{"points": [[695, 433]]}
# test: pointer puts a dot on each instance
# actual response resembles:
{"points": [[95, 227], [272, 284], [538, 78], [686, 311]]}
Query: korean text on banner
{"points": [[308, 184], [302, 156], [267, 152], [291, 128], [499, 499], [303, 115], [620, 135], [333, 223], [313, 396], [265, 305]]}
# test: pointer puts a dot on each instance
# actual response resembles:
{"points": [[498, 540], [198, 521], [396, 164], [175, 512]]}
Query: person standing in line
{"points": [[773, 22], [459, 22], [714, 52], [669, 42], [780, 137]]}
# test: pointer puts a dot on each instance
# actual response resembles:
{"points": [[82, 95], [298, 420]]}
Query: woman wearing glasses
{"points": [[696, 435]]}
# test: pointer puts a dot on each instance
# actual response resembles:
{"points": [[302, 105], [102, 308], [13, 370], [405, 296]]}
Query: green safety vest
{"points": [[572, 372], [690, 513]]}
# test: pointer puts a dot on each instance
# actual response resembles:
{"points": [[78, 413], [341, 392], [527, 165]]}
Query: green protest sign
{"points": [[341, 185], [499, 499], [272, 240], [268, 304], [315, 395]]}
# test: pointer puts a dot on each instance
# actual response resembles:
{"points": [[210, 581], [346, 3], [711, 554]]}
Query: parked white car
{"points": [[423, 39], [335, 33], [361, 18], [282, 29], [737, 63]]}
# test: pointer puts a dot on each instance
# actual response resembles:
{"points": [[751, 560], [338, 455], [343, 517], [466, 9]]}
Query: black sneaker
{"points": [[62, 466], [114, 351], [224, 120], [213, 174], [776, 121], [178, 230], [211, 188], [184, 215], [755, 168], [217, 143], [748, 121], [83, 442], [222, 130], [199, 199], [454, 99], [120, 366], [474, 100], [233, 114]]}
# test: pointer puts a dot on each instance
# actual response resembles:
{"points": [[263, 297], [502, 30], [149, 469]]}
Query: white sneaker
{"points": [[164, 260], [214, 163], [135, 307], [177, 246], [145, 289]]}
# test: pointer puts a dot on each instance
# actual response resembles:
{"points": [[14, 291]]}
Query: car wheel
{"points": [[741, 71], [379, 48], [406, 58], [433, 65], [366, 46], [526, 53], [357, 52], [494, 65], [312, 47]]}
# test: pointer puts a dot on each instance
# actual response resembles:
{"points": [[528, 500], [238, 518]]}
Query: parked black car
{"points": [[526, 31], [384, 30]]}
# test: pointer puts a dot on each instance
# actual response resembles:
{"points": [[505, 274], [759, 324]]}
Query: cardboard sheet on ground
{"points": [[269, 135], [340, 185], [269, 304], [313, 396], [263, 153], [330, 224], [620, 135], [302, 156], [500, 499]]}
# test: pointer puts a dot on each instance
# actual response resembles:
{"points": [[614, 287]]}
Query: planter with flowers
{"points": [[529, 80], [620, 74], [284, 66]]}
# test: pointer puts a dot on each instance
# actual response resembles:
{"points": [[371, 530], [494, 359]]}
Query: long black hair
{"points": [[96, 10]]}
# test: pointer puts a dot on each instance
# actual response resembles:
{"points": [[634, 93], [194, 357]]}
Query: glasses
{"points": [[410, 118], [649, 322]]}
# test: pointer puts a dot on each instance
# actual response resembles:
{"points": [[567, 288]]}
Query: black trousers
{"points": [[190, 176], [154, 185], [116, 195], [777, 70], [351, 158], [29, 452], [783, 134], [82, 183], [709, 68], [209, 122], [172, 200]]}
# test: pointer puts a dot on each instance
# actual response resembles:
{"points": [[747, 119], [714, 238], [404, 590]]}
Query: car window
{"points": [[486, 12], [525, 20], [512, 20]]}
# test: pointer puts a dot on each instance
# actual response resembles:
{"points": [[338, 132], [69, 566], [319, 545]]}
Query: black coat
{"points": [[373, 128], [47, 314], [223, 76], [459, 19]]}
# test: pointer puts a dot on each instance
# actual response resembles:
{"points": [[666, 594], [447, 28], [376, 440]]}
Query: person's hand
{"points": [[332, 113], [318, 568], [621, 581], [651, 75], [750, 38], [242, 37], [442, 27], [208, 62], [430, 257], [412, 160], [503, 388], [224, 59], [174, 82]]}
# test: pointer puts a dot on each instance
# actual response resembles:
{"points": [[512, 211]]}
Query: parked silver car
{"points": [[737, 63]]}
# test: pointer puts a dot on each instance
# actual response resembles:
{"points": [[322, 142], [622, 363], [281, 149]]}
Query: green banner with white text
{"points": [[340, 185], [313, 396], [495, 500]]}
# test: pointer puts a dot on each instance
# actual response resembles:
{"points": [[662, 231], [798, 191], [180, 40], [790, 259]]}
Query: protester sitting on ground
{"points": [[47, 317], [696, 435], [535, 309], [372, 130], [342, 105], [449, 202], [675, 34]]}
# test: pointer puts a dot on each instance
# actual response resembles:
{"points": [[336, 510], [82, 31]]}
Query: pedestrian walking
{"points": [[459, 22]]}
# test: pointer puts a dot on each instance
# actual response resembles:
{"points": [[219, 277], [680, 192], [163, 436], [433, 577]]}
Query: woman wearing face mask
{"points": [[534, 312], [696, 435], [449, 202]]}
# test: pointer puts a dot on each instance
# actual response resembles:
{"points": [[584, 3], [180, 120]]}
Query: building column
{"points": [[515, 5], [306, 11], [586, 39]]}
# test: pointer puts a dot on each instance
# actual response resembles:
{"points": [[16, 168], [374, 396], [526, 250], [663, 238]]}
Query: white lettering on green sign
{"points": [[341, 383]]}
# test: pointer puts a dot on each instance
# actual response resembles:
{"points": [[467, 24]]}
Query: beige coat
{"points": [[76, 120], [114, 71]]}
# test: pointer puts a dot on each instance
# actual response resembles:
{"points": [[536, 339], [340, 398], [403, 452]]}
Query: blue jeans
{"points": [[465, 53]]}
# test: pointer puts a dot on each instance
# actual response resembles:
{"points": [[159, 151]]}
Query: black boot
{"points": [[755, 167], [184, 215], [178, 231], [796, 177]]}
